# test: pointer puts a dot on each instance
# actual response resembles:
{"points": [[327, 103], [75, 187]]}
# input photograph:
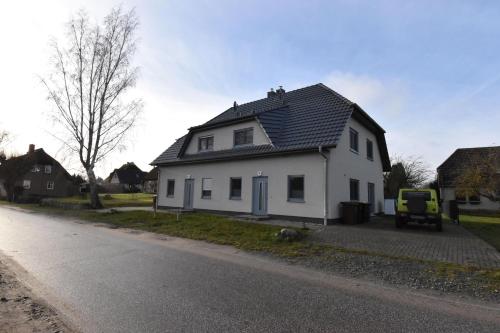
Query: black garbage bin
{"points": [[351, 212], [366, 211], [454, 211]]}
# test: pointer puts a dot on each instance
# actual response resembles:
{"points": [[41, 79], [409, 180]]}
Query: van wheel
{"points": [[439, 224], [399, 223]]}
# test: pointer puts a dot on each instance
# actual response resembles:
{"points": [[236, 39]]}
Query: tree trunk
{"points": [[95, 202]]}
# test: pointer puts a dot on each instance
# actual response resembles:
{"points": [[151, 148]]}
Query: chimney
{"points": [[281, 94], [271, 93], [31, 148], [280, 91], [235, 109]]}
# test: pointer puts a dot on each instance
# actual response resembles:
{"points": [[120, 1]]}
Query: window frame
{"points": [[26, 181], [474, 202], [170, 181], [355, 181], [369, 144], [461, 200], [203, 195], [35, 168], [53, 185], [356, 133], [231, 196], [49, 169], [207, 139], [242, 130], [289, 189]]}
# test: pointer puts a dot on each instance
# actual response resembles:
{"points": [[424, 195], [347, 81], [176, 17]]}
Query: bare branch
{"points": [[90, 77]]}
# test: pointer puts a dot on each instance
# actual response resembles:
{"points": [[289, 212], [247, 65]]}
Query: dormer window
{"points": [[206, 143], [243, 137]]}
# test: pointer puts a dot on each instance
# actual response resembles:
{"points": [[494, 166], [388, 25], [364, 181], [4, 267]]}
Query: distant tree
{"points": [[481, 177], [409, 172], [433, 184], [4, 137], [77, 179], [90, 76]]}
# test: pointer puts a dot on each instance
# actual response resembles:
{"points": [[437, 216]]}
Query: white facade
{"points": [[276, 169], [346, 164], [343, 165], [448, 193], [223, 136]]}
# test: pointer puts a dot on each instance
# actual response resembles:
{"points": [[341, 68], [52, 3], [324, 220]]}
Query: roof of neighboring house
{"points": [[462, 159], [128, 173], [296, 121], [152, 174], [39, 157]]}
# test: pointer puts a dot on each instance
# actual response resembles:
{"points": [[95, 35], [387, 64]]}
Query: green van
{"points": [[418, 205]]}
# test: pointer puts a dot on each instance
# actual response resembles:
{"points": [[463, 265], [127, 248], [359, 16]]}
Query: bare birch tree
{"points": [[91, 73], [4, 137]]}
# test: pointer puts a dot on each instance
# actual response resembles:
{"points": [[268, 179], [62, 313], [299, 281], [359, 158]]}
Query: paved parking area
{"points": [[455, 244]]}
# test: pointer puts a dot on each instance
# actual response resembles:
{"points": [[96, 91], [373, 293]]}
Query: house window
{"points": [[170, 187], [26, 184], [353, 140], [48, 169], [206, 188], [50, 185], [235, 188], [460, 198], [354, 189], [36, 168], [369, 149], [474, 199], [206, 143], [296, 188], [243, 137]]}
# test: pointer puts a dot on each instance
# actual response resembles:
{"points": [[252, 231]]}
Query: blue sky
{"points": [[427, 71]]}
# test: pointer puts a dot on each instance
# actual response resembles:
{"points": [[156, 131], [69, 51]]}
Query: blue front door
{"points": [[259, 196]]}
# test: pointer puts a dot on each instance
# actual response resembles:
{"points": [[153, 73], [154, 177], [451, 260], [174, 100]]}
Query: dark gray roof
{"points": [[462, 159], [129, 173], [302, 119]]}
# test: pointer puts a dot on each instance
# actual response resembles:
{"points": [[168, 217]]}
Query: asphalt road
{"points": [[106, 280]]}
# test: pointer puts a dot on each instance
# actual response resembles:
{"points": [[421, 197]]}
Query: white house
{"points": [[295, 154]]}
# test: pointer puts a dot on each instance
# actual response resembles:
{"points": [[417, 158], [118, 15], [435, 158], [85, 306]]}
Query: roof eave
{"points": [[242, 157]]}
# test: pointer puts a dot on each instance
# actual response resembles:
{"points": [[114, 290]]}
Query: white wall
{"points": [[448, 193], [223, 136], [115, 179], [345, 164], [276, 169]]}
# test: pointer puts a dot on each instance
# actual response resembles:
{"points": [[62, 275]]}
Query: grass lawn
{"points": [[115, 200], [485, 227]]}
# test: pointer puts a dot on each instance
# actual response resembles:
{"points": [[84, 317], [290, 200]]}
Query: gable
{"points": [[224, 136], [464, 158]]}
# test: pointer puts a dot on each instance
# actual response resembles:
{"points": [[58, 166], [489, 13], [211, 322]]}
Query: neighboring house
{"points": [[293, 154], [150, 181], [44, 177], [454, 166], [128, 178]]}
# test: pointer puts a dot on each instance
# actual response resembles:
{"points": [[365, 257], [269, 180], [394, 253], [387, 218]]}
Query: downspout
{"points": [[157, 188], [325, 167]]}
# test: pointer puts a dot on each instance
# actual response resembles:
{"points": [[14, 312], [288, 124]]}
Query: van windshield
{"points": [[416, 194]]}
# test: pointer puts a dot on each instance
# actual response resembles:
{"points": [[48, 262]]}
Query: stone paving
{"points": [[455, 244]]}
